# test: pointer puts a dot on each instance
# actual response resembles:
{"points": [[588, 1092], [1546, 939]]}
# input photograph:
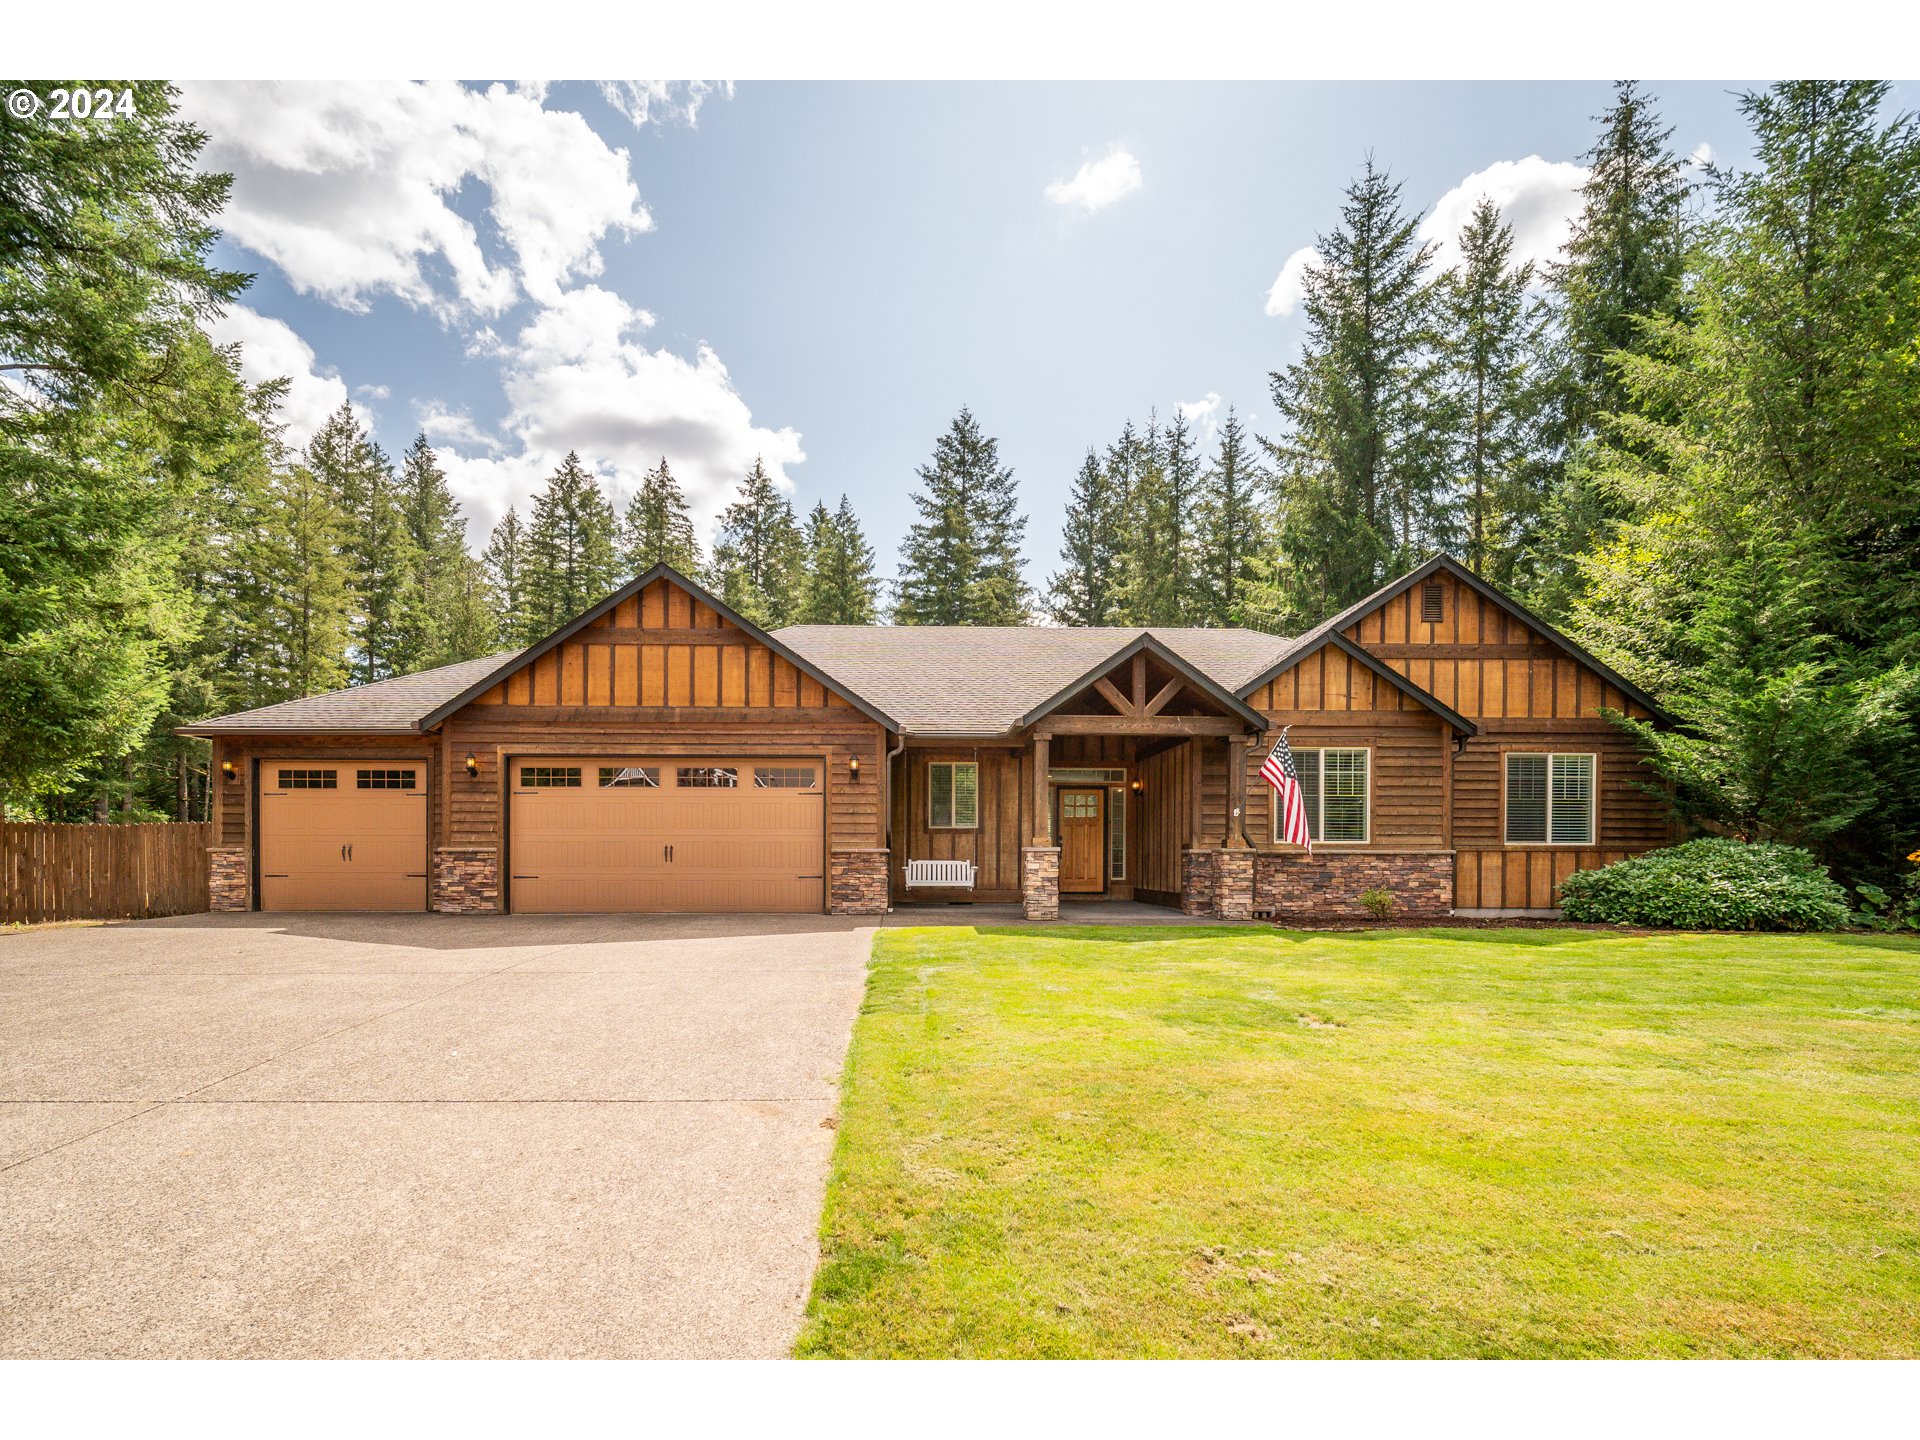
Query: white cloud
{"points": [[663, 100], [578, 377], [269, 348], [1538, 198], [1203, 415], [447, 426], [350, 188], [372, 392], [1702, 155], [1289, 287], [1098, 183]]}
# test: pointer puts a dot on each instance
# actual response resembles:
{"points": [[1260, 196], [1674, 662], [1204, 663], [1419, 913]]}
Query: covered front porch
{"points": [[1116, 790]]}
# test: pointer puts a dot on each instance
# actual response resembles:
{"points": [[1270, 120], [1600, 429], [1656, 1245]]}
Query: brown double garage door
{"points": [[598, 835], [632, 833]]}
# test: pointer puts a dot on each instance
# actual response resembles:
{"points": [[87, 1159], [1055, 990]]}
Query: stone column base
{"points": [[1040, 881], [1233, 884], [466, 880], [1196, 881], [227, 880], [857, 882], [1329, 884]]}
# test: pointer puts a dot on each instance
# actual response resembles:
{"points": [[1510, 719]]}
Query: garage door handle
{"points": [[343, 852]]}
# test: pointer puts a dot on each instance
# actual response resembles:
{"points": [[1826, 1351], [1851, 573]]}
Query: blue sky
{"points": [[829, 271]]}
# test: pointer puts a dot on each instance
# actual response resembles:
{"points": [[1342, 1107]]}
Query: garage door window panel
{"points": [[709, 777], [309, 779], [629, 777]]}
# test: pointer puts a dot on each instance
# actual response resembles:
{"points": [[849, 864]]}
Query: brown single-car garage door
{"points": [[628, 833], [343, 835]]}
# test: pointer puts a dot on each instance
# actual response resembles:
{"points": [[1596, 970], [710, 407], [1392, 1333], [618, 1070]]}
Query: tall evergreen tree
{"points": [[1491, 345], [1086, 588], [570, 562], [759, 561], [840, 587], [1783, 402], [105, 234], [439, 634], [1159, 545], [960, 562], [301, 553], [382, 561], [1233, 528], [505, 566], [1359, 460], [658, 529], [1624, 265]]}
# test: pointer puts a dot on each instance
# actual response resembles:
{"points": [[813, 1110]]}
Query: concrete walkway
{"points": [[305, 1136]]}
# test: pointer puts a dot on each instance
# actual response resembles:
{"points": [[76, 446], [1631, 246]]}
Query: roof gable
{"points": [[1313, 643], [1145, 644], [602, 617], [1350, 618]]}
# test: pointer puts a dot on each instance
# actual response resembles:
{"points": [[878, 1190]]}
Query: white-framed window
{"points": [[1335, 786], [1117, 833], [953, 795], [1549, 799]]}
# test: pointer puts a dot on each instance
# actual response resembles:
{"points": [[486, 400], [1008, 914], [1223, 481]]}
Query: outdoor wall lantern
{"points": [[473, 766], [853, 766], [230, 770], [1136, 784]]}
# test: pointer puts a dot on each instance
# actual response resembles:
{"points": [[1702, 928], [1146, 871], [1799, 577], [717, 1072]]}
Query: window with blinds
{"points": [[953, 795], [1550, 799], [1333, 786]]}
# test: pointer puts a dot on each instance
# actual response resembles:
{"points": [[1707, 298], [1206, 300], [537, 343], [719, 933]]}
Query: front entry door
{"points": [[1083, 841]]}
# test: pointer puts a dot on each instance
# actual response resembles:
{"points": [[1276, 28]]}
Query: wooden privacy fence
{"points": [[101, 872]]}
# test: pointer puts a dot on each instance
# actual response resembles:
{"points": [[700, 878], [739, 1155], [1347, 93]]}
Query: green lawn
{"points": [[1061, 1142]]}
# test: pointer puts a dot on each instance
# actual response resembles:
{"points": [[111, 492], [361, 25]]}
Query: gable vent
{"points": [[1431, 596]]}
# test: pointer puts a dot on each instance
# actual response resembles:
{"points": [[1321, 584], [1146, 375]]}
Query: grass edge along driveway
{"points": [[1180, 1142]]}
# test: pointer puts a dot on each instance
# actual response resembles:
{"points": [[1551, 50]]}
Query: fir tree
{"points": [[505, 568], [570, 564], [302, 556], [1783, 401], [1162, 516], [1491, 341], [1085, 590], [1232, 528], [382, 562], [441, 564], [1623, 266], [658, 529], [1358, 463], [840, 587], [758, 558], [960, 562]]}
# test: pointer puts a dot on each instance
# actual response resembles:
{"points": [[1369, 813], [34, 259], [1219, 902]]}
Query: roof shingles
{"points": [[381, 708]]}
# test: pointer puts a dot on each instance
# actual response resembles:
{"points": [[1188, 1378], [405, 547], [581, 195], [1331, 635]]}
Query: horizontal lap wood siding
{"points": [[101, 872]]}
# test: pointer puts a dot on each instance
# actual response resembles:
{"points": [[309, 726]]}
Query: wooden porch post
{"points": [[1042, 811], [1235, 839]]}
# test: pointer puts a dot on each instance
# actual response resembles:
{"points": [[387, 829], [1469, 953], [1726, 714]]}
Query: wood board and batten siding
{"points": [[664, 672], [992, 844], [1335, 701], [1527, 694]]}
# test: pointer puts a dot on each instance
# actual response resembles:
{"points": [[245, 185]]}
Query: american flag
{"points": [[1278, 771]]}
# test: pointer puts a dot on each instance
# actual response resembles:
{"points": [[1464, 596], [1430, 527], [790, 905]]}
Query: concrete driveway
{"points": [[417, 1135]]}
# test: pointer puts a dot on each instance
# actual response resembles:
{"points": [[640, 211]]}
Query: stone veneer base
{"points": [[466, 880], [227, 887], [1040, 881], [857, 882], [1331, 882]]}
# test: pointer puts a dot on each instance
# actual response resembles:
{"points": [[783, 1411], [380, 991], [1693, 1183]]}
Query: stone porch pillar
{"points": [[1040, 881]]}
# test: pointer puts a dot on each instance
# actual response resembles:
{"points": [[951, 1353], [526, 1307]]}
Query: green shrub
{"points": [[1710, 885], [1379, 902]]}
